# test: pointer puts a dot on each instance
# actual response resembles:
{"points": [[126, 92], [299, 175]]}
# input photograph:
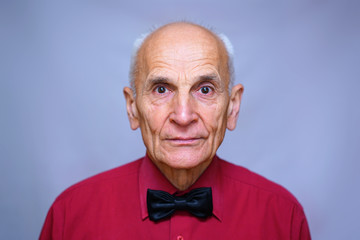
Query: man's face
{"points": [[182, 100]]}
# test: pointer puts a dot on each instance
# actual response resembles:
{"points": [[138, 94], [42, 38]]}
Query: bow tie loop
{"points": [[162, 204]]}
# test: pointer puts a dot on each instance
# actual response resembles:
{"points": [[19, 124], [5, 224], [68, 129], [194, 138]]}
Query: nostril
{"points": [[183, 118]]}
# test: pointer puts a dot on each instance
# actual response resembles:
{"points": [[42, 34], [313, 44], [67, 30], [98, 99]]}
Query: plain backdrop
{"points": [[62, 113]]}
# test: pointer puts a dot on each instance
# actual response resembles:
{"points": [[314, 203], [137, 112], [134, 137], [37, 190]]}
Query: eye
{"points": [[160, 89], [205, 90]]}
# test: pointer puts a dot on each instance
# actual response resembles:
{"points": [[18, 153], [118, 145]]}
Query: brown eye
{"points": [[205, 90], [161, 89]]}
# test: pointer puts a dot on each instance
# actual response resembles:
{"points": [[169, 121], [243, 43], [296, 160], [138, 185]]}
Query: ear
{"points": [[234, 106], [131, 108]]}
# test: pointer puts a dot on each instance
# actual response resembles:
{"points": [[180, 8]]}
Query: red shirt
{"points": [[112, 205]]}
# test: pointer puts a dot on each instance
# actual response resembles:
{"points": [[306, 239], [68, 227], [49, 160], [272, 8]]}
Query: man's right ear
{"points": [[131, 108]]}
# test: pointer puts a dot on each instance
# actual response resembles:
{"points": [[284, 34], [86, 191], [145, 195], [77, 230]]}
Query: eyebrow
{"points": [[203, 78], [158, 80], [209, 77]]}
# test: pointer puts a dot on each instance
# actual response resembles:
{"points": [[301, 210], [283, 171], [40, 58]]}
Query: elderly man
{"points": [[181, 101]]}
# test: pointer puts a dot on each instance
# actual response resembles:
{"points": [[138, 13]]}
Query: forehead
{"points": [[181, 53], [182, 46]]}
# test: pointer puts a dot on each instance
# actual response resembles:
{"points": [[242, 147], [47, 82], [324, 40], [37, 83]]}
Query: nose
{"points": [[183, 113]]}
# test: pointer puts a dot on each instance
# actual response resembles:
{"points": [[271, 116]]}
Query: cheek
{"points": [[214, 118], [154, 118]]}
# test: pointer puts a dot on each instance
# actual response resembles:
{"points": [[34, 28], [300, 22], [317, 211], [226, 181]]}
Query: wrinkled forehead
{"points": [[182, 43]]}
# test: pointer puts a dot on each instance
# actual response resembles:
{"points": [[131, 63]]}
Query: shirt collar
{"points": [[151, 177]]}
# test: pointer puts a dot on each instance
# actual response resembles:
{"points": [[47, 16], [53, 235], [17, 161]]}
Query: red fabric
{"points": [[112, 205]]}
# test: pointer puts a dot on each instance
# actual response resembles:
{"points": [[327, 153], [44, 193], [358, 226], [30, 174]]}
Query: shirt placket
{"points": [[179, 227]]}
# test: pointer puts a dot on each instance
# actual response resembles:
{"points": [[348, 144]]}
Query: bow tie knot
{"points": [[180, 203], [162, 204]]}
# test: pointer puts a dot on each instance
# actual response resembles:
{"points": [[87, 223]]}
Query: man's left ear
{"points": [[234, 106]]}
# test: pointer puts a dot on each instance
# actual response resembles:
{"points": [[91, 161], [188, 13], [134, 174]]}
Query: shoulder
{"points": [[117, 176], [245, 178]]}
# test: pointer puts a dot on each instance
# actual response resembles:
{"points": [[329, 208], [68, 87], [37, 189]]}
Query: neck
{"points": [[182, 179]]}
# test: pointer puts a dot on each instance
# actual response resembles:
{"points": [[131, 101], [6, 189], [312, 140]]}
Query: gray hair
{"points": [[140, 40]]}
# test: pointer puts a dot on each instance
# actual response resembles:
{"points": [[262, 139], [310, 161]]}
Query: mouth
{"points": [[184, 141]]}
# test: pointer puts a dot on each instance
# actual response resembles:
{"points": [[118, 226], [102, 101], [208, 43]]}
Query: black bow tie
{"points": [[161, 204]]}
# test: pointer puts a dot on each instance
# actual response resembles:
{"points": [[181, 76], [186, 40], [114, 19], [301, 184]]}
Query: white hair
{"points": [[230, 53], [140, 40], [133, 62]]}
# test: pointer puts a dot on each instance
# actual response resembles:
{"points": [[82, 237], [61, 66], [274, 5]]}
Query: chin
{"points": [[185, 159]]}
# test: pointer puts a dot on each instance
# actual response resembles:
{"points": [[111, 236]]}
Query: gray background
{"points": [[64, 64]]}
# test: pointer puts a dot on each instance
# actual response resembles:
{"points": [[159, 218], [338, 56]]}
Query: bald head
{"points": [[181, 41]]}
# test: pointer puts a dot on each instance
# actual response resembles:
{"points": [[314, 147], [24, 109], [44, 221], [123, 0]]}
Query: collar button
{"points": [[180, 237]]}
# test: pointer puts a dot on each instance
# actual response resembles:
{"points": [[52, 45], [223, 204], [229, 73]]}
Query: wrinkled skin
{"points": [[182, 103]]}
